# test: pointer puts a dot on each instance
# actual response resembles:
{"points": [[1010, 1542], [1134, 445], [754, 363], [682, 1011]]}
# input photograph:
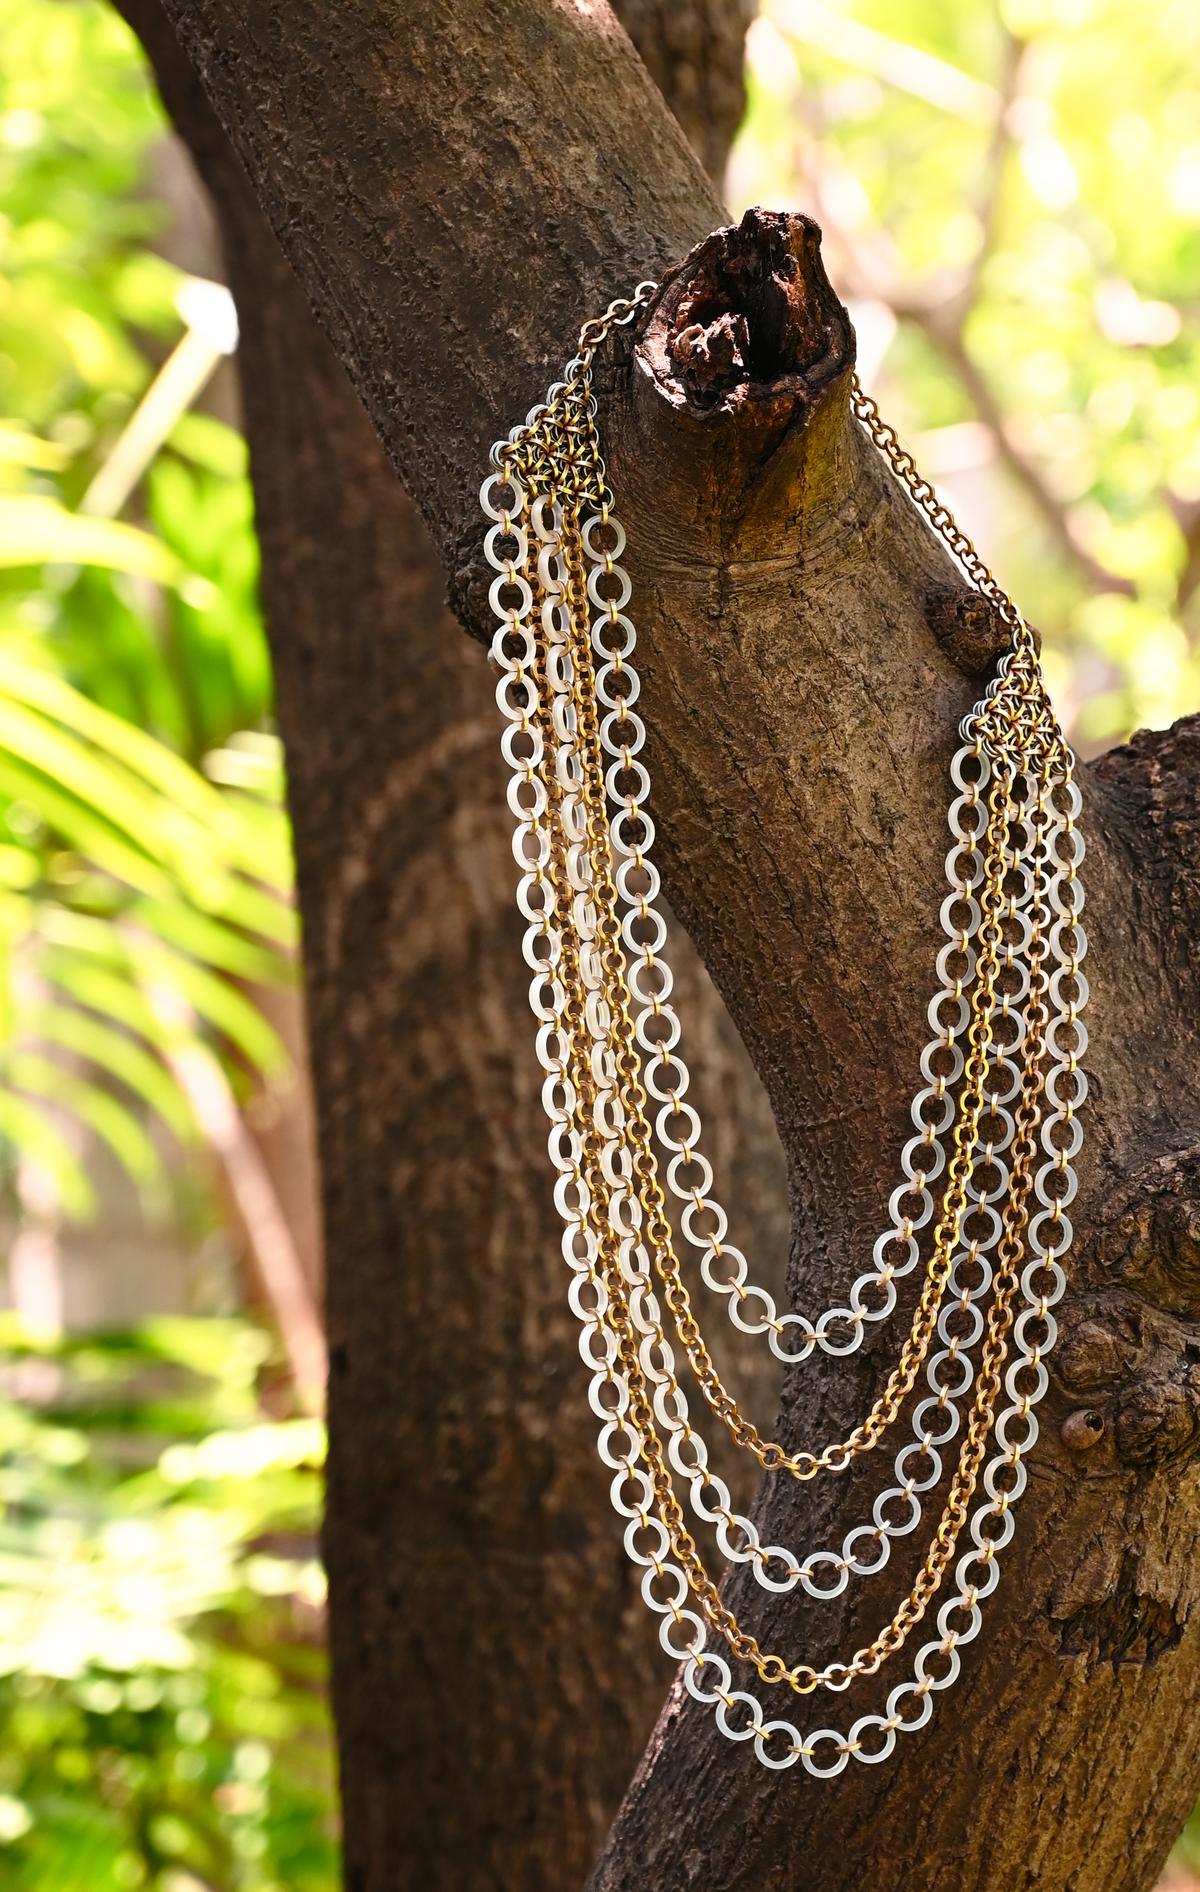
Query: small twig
{"points": [[210, 333], [940, 307], [1187, 514], [948, 339], [906, 67], [995, 166], [253, 1198]]}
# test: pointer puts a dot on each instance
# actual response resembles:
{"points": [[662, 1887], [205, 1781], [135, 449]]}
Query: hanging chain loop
{"points": [[988, 1177]]}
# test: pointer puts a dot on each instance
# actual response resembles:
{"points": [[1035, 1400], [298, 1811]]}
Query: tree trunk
{"points": [[433, 1142], [456, 189]]}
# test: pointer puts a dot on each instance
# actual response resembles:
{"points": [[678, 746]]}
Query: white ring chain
{"points": [[710, 1496], [936, 1420]]}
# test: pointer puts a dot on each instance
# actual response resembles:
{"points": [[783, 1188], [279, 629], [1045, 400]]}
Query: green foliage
{"points": [[1025, 197], [144, 855], [162, 1709], [162, 1706], [79, 280], [134, 892]]}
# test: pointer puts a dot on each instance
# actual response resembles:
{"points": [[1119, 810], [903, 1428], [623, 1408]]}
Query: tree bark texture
{"points": [[469, 1529], [456, 191]]}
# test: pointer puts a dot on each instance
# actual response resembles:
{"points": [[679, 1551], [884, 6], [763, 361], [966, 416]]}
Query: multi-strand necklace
{"points": [[982, 1204]]}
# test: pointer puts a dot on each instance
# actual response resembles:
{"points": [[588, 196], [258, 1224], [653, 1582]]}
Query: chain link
{"points": [[608, 1037]]}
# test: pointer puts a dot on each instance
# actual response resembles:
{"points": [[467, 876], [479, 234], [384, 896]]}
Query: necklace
{"points": [[987, 1177]]}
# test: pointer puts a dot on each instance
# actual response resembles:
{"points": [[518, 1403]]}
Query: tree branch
{"points": [[802, 711], [939, 308], [554, 128], [693, 50], [947, 338], [379, 695]]}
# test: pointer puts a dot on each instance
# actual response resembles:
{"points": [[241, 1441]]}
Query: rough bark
{"points": [[445, 1291], [693, 53], [808, 651]]}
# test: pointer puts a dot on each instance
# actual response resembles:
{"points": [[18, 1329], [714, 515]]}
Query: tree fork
{"points": [[803, 680]]}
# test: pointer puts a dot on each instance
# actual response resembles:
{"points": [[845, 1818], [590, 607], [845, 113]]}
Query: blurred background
{"points": [[1011, 200]]}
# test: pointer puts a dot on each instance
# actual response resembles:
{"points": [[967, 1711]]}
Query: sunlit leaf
{"points": [[156, 826], [221, 947], [220, 1005], [28, 1127], [42, 1077], [119, 1056], [82, 825], [37, 531], [39, 688], [19, 447]]}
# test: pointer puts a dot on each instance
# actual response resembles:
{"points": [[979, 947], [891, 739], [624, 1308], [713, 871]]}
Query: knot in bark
{"points": [[751, 313], [969, 628], [1132, 1375]]}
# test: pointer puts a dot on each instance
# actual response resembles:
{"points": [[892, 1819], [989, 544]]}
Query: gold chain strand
{"points": [[982, 1416], [649, 1190], [940, 517], [621, 1324], [771, 1667], [995, 1349], [1023, 709], [981, 1039], [771, 1455]]}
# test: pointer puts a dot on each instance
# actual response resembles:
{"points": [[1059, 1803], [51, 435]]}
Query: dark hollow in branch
{"points": [[751, 315]]}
